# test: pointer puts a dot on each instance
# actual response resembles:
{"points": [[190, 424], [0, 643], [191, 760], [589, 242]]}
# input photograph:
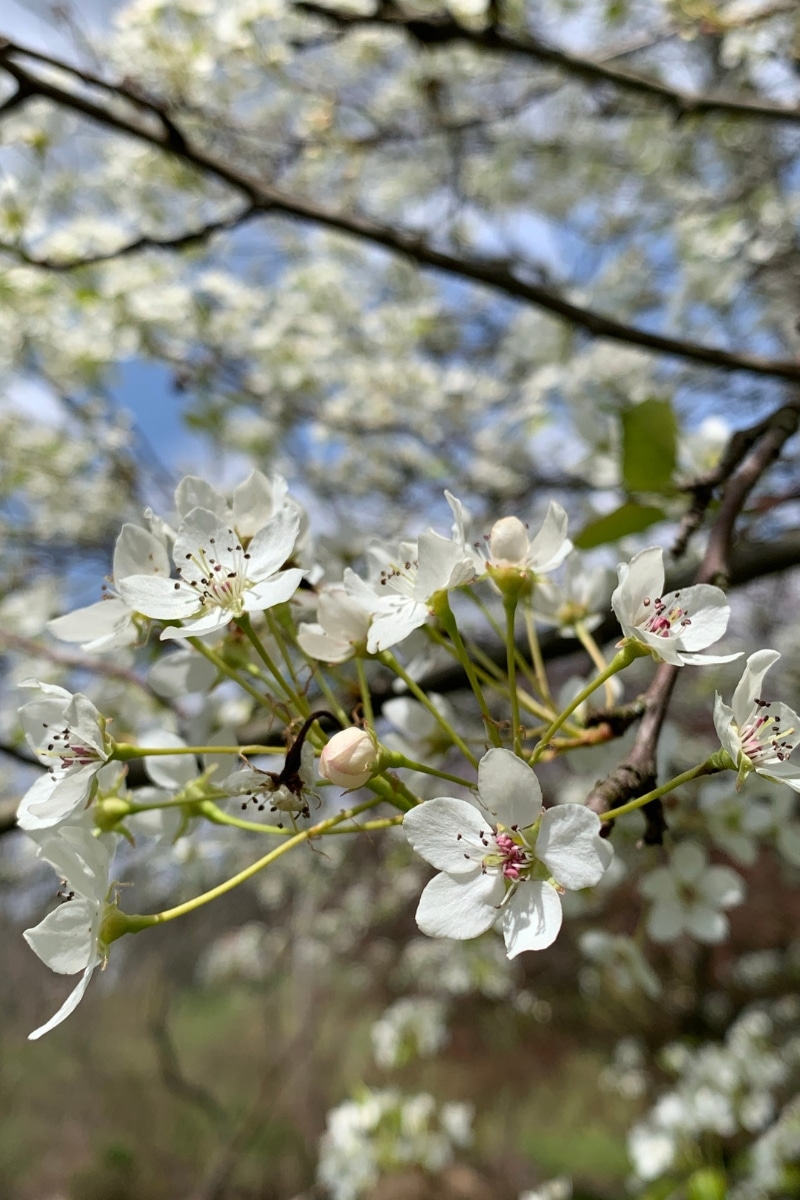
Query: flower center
{"points": [[664, 616], [219, 585], [70, 750], [762, 737], [513, 859]]}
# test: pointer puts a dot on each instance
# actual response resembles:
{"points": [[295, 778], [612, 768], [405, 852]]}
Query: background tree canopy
{"points": [[522, 251]]}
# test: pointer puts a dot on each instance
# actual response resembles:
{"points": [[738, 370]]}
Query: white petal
{"points": [[642, 578], [65, 939], [708, 611], [706, 660], [509, 789], [460, 908], [665, 921], [446, 832], [70, 1004], [316, 643], [705, 923], [726, 731], [273, 591], [569, 844], [154, 596], [723, 887], [550, 546], [750, 686], [394, 626], [688, 862], [273, 544], [171, 771], [194, 492], [139, 552], [442, 564], [104, 625], [531, 919], [49, 801]]}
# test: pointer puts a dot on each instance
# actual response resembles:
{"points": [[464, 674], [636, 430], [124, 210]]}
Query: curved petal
{"points": [[708, 611], [726, 730], [460, 908], [570, 846], [750, 686], [316, 643], [531, 918], [398, 621], [210, 622], [104, 625], [447, 833], [155, 596], [65, 939], [550, 546], [273, 591], [70, 1004], [273, 544], [642, 578], [509, 789]]}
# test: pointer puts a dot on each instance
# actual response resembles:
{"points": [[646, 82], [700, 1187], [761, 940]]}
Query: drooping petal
{"points": [[569, 844], [460, 908], [447, 833], [70, 1004], [509, 789], [105, 625], [531, 918]]}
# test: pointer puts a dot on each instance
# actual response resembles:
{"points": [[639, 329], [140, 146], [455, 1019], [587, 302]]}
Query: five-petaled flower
{"points": [[220, 579], [673, 626], [69, 938], [758, 734], [68, 735], [503, 860]]}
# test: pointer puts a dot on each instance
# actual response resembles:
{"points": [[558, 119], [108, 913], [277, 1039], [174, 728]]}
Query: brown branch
{"points": [[493, 274], [169, 1065], [144, 242], [637, 773], [443, 29]]}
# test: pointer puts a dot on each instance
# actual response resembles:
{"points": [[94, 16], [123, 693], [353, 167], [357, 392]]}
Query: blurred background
{"points": [[520, 250]]}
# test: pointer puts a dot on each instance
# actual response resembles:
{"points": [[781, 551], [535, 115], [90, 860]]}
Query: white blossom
{"points": [[502, 860], [672, 625], [68, 735], [68, 940], [758, 734], [342, 626], [220, 580], [689, 896]]}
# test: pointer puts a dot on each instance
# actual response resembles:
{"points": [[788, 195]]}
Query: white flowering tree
{"points": [[538, 254]]}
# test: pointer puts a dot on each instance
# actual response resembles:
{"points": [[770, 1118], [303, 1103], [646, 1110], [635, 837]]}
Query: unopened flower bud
{"points": [[349, 758], [508, 542]]}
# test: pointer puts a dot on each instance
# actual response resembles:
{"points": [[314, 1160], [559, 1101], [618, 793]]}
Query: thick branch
{"points": [[443, 29], [494, 274]]}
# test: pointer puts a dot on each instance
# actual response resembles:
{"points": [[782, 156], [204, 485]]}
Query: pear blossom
{"points": [[268, 790], [672, 625], [69, 938], [68, 735], [342, 626], [689, 896], [758, 734], [111, 622], [503, 860], [399, 602], [510, 545], [219, 579], [582, 599]]}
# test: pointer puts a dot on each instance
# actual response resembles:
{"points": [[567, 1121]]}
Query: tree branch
{"points": [[443, 29], [494, 274]]}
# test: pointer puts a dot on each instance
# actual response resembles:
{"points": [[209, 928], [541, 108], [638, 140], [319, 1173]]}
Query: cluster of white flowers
{"points": [[385, 1131], [723, 1089], [412, 1027]]}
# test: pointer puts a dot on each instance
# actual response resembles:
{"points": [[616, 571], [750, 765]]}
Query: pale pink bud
{"points": [[508, 541], [349, 758]]}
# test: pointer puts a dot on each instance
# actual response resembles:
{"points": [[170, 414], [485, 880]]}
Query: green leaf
{"points": [[649, 446], [629, 518]]}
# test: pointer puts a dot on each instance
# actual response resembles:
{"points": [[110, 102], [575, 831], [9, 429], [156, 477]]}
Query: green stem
{"points": [[709, 767], [510, 606], [622, 659], [124, 751], [246, 626], [180, 910], [441, 606], [277, 634], [233, 675], [536, 655], [388, 659], [395, 760], [595, 654], [366, 697]]}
